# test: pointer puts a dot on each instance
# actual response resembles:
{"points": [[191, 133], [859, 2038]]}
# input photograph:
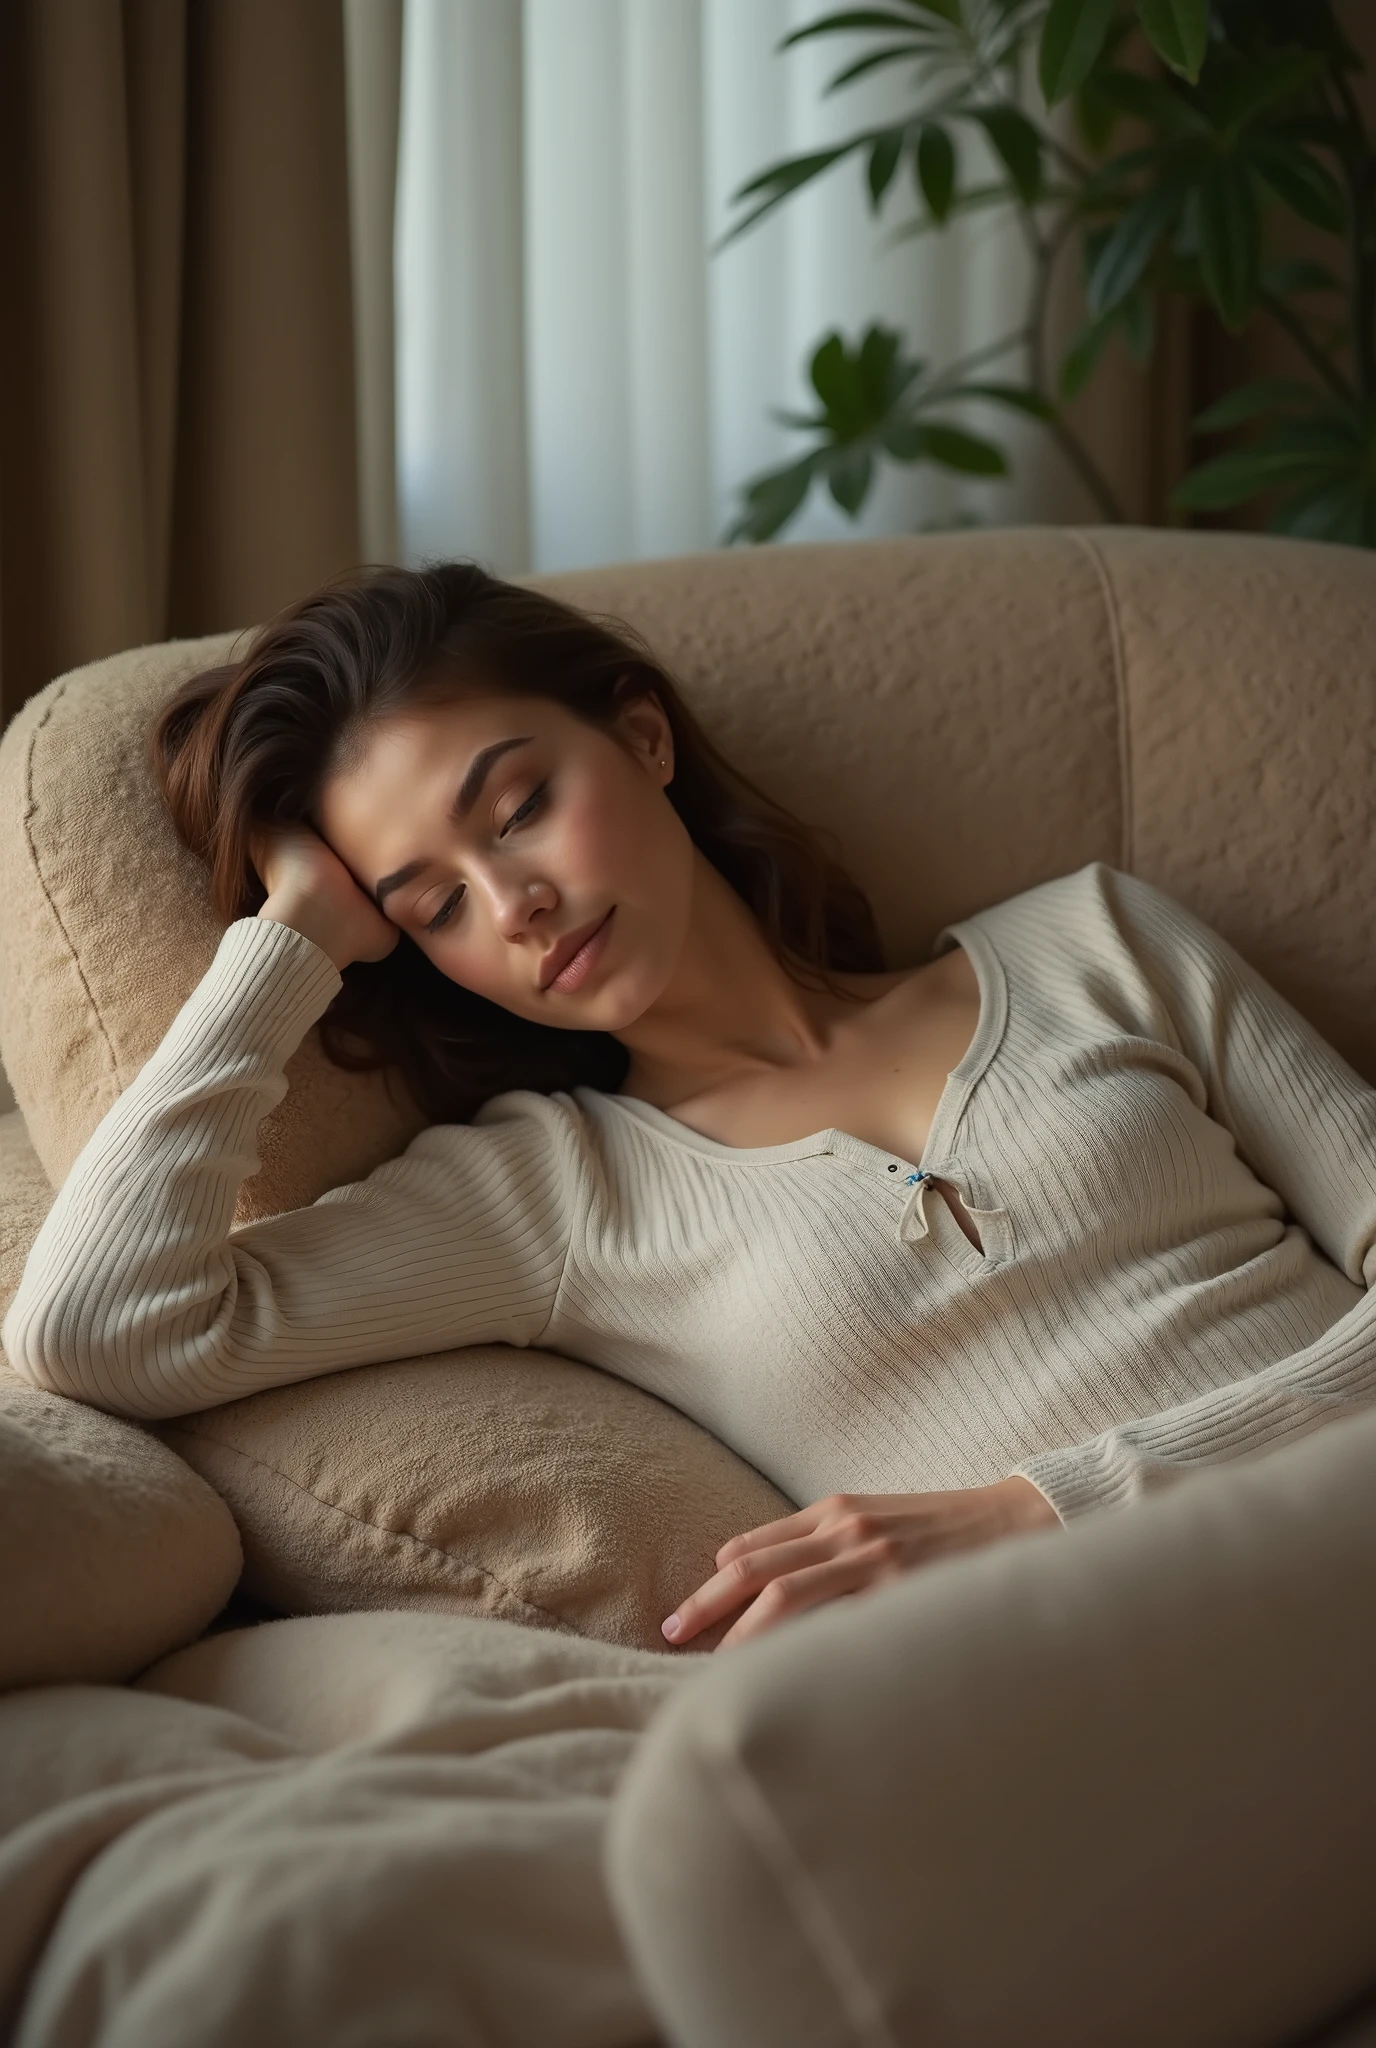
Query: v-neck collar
{"points": [[951, 1104]]}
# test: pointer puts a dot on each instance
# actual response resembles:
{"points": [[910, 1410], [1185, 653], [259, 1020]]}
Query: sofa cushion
{"points": [[107, 927], [112, 1552], [484, 1481], [26, 1196]]}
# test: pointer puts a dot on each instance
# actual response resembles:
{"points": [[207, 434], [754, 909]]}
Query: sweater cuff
{"points": [[1079, 1480], [262, 992]]}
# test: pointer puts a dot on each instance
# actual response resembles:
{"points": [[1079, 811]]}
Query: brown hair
{"points": [[253, 744]]}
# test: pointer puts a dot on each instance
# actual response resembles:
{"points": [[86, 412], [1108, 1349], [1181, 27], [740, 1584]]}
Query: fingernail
{"points": [[671, 1627]]}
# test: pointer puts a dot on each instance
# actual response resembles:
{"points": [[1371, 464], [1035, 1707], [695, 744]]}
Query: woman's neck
{"points": [[730, 1008]]}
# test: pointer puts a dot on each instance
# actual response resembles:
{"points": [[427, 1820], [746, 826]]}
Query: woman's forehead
{"points": [[414, 760]]}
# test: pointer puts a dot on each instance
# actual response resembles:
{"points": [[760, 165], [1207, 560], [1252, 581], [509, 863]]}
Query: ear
{"points": [[645, 729]]}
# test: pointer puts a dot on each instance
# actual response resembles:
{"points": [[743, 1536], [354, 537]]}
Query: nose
{"points": [[516, 904]]}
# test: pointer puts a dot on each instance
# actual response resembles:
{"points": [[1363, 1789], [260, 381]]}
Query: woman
{"points": [[950, 1253]]}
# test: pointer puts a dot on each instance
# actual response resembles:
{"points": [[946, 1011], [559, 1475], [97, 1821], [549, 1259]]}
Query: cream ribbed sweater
{"points": [[1173, 1176]]}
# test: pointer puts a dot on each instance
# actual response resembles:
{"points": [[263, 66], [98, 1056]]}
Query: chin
{"points": [[615, 1008]]}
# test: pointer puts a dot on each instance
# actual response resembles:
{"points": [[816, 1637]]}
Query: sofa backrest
{"points": [[968, 713]]}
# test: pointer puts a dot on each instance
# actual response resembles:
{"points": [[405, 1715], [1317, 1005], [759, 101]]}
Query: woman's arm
{"points": [[138, 1296], [1306, 1125]]}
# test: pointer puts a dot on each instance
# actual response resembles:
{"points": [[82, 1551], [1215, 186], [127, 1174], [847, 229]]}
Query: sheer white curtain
{"points": [[579, 380]]}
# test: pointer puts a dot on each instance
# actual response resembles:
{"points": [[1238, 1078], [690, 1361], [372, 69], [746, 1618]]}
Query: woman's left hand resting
{"points": [[846, 1544]]}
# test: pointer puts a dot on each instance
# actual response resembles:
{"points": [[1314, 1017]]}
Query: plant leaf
{"points": [[835, 379], [944, 10], [896, 53], [1334, 511], [1105, 186], [880, 378], [1298, 275], [859, 388], [851, 18], [1149, 99], [1252, 401], [883, 163], [1020, 396], [850, 472], [1254, 88], [1128, 250], [801, 422], [1073, 34], [1018, 145], [935, 162], [974, 199], [1178, 30], [1306, 186], [1094, 117], [783, 179], [1243, 473], [1230, 240], [771, 500], [952, 447]]}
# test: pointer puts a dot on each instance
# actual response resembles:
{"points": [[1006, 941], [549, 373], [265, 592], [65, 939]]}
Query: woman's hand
{"points": [[846, 1543], [310, 889]]}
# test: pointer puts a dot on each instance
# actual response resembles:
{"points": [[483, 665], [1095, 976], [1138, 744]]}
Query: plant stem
{"points": [[962, 366]]}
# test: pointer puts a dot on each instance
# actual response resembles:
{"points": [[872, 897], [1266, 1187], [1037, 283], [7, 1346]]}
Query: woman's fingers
{"points": [[845, 1543], [797, 1591], [733, 1585], [785, 1530]]}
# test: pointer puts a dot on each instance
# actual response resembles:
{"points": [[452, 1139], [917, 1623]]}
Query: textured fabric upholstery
{"points": [[483, 1481], [970, 714]]}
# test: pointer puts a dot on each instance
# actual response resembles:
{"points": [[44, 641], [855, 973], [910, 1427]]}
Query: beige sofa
{"points": [[1144, 1806]]}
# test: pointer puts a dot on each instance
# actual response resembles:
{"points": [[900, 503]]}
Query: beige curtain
{"points": [[372, 50], [177, 367]]}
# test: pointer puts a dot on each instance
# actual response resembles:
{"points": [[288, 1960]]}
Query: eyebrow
{"points": [[470, 789]]}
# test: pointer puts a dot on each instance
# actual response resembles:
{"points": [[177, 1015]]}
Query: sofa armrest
{"points": [[26, 1195]]}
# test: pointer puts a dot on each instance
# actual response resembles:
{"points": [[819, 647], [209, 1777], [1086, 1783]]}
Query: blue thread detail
{"points": [[914, 1178]]}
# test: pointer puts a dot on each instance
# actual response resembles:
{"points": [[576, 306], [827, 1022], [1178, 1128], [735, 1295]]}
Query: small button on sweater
{"points": [[1172, 1175]]}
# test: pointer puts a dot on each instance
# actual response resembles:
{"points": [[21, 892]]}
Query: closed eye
{"points": [[527, 810], [521, 816], [445, 911]]}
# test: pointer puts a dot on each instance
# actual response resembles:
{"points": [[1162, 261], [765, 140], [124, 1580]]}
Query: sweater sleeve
{"points": [[1305, 1123], [139, 1296]]}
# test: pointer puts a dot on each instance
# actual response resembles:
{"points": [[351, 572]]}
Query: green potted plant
{"points": [[1199, 125]]}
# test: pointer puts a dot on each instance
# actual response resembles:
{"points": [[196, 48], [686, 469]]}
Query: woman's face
{"points": [[501, 833]]}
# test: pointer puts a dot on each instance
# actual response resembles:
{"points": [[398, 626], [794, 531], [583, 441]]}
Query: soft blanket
{"points": [[351, 1829]]}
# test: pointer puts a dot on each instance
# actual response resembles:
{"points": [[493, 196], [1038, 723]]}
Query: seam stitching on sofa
{"points": [[1120, 685], [30, 811], [362, 1522], [757, 1819]]}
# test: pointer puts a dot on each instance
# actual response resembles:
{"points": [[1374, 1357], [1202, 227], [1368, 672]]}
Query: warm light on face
{"points": [[501, 826]]}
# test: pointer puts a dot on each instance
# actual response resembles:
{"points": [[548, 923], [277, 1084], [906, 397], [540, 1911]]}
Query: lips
{"points": [[559, 956]]}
